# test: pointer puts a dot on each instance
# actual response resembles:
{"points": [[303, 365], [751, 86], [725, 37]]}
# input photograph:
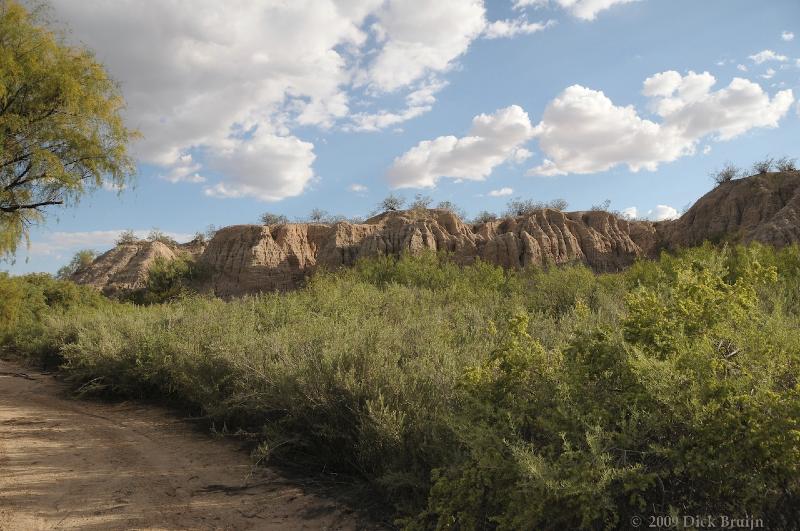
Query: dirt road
{"points": [[71, 464]]}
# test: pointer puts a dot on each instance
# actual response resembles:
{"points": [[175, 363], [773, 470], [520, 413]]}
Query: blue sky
{"points": [[254, 107]]}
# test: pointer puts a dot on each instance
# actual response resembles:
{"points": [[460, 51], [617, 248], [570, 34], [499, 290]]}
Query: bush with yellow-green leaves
{"points": [[477, 398]]}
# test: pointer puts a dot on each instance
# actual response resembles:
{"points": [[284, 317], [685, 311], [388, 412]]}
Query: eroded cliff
{"points": [[245, 259], [124, 268], [764, 208]]}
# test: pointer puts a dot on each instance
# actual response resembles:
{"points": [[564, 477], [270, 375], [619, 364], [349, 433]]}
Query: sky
{"points": [[248, 107]]}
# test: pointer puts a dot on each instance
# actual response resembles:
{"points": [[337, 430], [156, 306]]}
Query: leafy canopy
{"points": [[61, 130], [81, 259]]}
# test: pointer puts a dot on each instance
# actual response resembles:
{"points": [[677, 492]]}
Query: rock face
{"points": [[251, 258], [764, 208], [125, 267]]}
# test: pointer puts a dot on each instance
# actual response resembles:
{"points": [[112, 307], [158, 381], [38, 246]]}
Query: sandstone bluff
{"points": [[244, 259]]}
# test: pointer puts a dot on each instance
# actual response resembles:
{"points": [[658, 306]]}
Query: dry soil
{"points": [[78, 464]]}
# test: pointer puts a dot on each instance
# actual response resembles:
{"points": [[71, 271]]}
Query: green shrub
{"points": [[485, 216], [556, 290], [156, 235], [473, 397], [26, 303], [268, 218], [127, 237], [528, 207], [694, 411], [10, 303], [434, 272], [81, 259], [168, 280]]}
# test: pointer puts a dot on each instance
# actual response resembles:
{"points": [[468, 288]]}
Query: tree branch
{"points": [[30, 206], [20, 179], [10, 100], [16, 160]]}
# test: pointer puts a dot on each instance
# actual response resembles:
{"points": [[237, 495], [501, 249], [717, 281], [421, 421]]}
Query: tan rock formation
{"points": [[764, 208], [250, 258], [125, 267]]}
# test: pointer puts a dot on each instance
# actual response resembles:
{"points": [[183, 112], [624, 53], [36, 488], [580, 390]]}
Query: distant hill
{"points": [[764, 208], [252, 258], [125, 267]]}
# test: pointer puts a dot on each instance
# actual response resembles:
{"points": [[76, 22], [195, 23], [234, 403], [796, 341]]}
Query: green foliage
{"points": [[477, 398], [727, 173], [556, 290], [430, 271], [27, 302], [601, 207], [81, 259], [168, 280], [785, 164], [694, 411], [155, 235], [420, 203], [10, 303], [210, 232], [453, 208], [268, 218], [485, 217], [61, 129], [318, 215], [127, 237], [764, 165], [528, 207], [391, 203]]}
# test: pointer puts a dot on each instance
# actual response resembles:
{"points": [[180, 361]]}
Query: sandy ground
{"points": [[72, 464]]}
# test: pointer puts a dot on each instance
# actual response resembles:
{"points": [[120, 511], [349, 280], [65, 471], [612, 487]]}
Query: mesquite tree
{"points": [[61, 129]]}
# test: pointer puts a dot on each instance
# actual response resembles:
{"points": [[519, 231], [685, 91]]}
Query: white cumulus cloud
{"points": [[500, 29], [357, 188], [420, 37], [492, 140], [384, 118], [206, 81], [501, 192], [583, 9], [285, 162], [695, 110], [418, 102], [767, 55], [520, 154], [184, 169], [662, 213], [659, 213], [195, 74], [583, 131], [787, 36]]}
